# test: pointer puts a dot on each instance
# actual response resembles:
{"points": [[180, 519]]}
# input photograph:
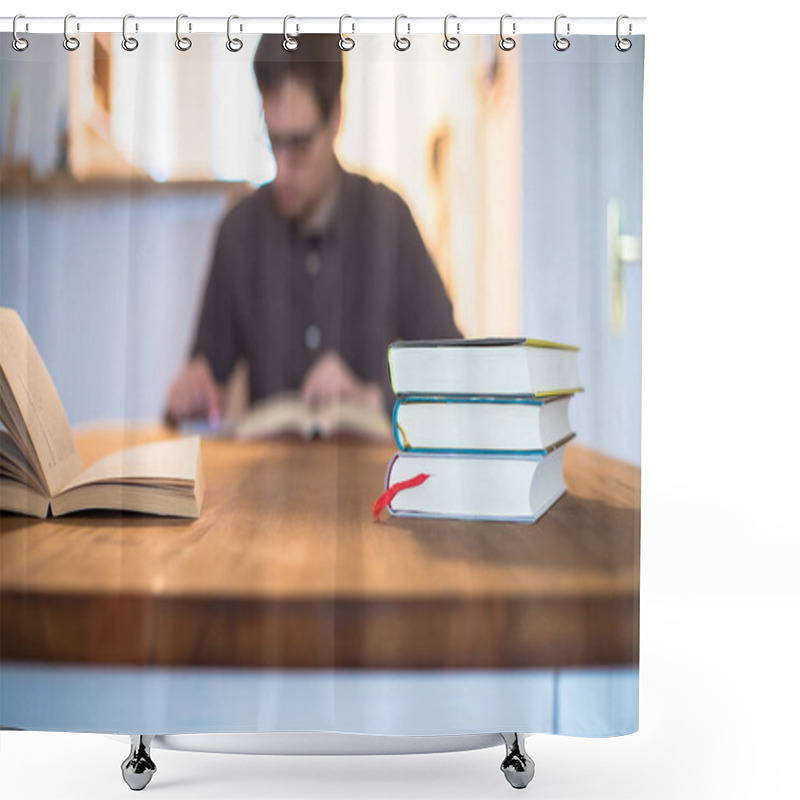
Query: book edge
{"points": [[197, 485]]}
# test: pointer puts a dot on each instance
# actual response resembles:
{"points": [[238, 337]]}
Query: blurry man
{"points": [[315, 273]]}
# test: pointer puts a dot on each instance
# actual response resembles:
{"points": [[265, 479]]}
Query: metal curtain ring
{"points": [[233, 45], [451, 42], [346, 42], [506, 42], [183, 43], [71, 43], [401, 42], [561, 43], [128, 42], [18, 43], [623, 45], [289, 42]]}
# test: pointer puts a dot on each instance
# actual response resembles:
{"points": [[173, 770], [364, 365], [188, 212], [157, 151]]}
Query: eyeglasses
{"points": [[296, 145]]}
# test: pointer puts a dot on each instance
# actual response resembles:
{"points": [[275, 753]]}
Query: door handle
{"points": [[621, 249]]}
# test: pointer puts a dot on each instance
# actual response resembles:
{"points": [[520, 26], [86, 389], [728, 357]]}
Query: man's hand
{"points": [[331, 379], [194, 393]]}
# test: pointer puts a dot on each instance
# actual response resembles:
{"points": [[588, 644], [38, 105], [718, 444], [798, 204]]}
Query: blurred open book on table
{"points": [[40, 469], [285, 413]]}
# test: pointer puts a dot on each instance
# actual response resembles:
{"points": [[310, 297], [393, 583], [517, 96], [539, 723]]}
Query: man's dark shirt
{"points": [[281, 299]]}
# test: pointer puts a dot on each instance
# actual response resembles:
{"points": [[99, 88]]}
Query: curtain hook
{"points": [[128, 42], [233, 45], [18, 43], [183, 43], [507, 42], [71, 43], [289, 42], [346, 42], [451, 42], [401, 42], [623, 45], [561, 43]]}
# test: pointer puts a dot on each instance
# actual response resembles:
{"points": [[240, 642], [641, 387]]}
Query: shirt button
{"points": [[313, 337], [313, 262]]}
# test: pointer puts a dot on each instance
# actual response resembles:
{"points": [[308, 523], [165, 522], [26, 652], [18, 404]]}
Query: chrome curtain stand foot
{"points": [[138, 768], [517, 766]]}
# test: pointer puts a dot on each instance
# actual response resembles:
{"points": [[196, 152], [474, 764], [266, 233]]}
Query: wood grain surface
{"points": [[285, 568]]}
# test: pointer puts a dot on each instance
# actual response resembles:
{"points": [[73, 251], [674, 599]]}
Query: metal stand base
{"points": [[517, 766], [138, 768]]}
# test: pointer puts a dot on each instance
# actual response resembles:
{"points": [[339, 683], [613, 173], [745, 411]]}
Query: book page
{"points": [[32, 391], [342, 416], [170, 462], [9, 450], [21, 499], [13, 464], [285, 412], [279, 413]]}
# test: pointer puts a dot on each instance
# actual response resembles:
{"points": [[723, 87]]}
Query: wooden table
{"points": [[285, 568]]}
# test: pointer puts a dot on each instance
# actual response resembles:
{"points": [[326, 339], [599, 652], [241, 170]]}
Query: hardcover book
{"points": [[481, 424], [521, 367], [489, 487]]}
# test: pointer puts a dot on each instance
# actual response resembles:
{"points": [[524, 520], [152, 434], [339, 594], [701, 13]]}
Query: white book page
{"points": [[35, 395], [171, 461]]}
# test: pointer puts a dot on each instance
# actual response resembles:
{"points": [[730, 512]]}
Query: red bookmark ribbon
{"points": [[389, 494]]}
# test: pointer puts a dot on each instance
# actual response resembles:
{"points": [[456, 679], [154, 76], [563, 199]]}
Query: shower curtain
{"points": [[189, 231]]}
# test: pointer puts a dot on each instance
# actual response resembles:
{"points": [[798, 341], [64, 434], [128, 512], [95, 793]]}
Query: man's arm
{"points": [[196, 391], [424, 309], [216, 336]]}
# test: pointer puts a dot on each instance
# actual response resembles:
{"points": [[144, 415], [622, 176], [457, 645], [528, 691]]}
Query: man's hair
{"points": [[317, 61]]}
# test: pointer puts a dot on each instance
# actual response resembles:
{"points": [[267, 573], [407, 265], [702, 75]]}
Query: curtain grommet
{"points": [[451, 43], [182, 43], [346, 43], [507, 43], [290, 43], [623, 45], [561, 43], [18, 43], [128, 43], [70, 43], [234, 45], [401, 43]]}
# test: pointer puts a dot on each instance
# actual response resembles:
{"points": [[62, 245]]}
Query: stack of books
{"points": [[481, 425]]}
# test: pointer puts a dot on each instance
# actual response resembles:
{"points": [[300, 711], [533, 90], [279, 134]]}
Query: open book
{"points": [[40, 468], [286, 413]]}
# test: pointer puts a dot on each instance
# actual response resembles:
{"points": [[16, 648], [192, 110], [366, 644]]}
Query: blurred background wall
{"points": [[117, 168]]}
